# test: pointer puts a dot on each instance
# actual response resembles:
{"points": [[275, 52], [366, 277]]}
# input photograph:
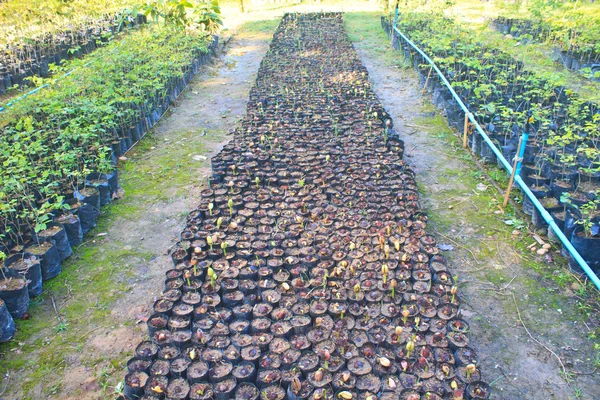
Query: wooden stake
{"points": [[512, 175], [427, 80], [466, 130]]}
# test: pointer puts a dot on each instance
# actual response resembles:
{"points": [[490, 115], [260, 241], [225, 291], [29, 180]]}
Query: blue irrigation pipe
{"points": [[524, 139], [545, 214]]}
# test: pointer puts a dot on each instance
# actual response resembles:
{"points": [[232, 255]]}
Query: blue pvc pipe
{"points": [[524, 139], [545, 214]]}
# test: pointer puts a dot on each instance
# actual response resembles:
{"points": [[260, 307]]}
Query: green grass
{"points": [[266, 26], [366, 27], [173, 164]]}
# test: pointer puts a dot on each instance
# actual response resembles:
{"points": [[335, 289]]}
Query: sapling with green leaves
{"points": [[224, 247], [589, 211]]}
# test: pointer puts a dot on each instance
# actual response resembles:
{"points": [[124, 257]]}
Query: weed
{"points": [[62, 327]]}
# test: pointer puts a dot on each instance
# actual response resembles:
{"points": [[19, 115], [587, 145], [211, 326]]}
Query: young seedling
{"points": [[224, 248], [446, 370], [257, 181], [194, 263], [319, 375], [398, 331], [210, 208], [212, 275], [470, 370], [230, 205], [453, 292], [384, 272], [326, 356], [393, 283], [410, 346], [209, 241], [405, 315], [219, 222]]}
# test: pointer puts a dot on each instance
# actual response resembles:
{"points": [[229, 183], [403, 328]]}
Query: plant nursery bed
{"points": [[306, 271], [561, 162]]}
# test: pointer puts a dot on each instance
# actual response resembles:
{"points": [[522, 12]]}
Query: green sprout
{"points": [[224, 248]]}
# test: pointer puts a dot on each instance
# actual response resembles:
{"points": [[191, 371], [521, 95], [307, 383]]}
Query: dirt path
{"points": [[84, 357], [486, 257]]}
